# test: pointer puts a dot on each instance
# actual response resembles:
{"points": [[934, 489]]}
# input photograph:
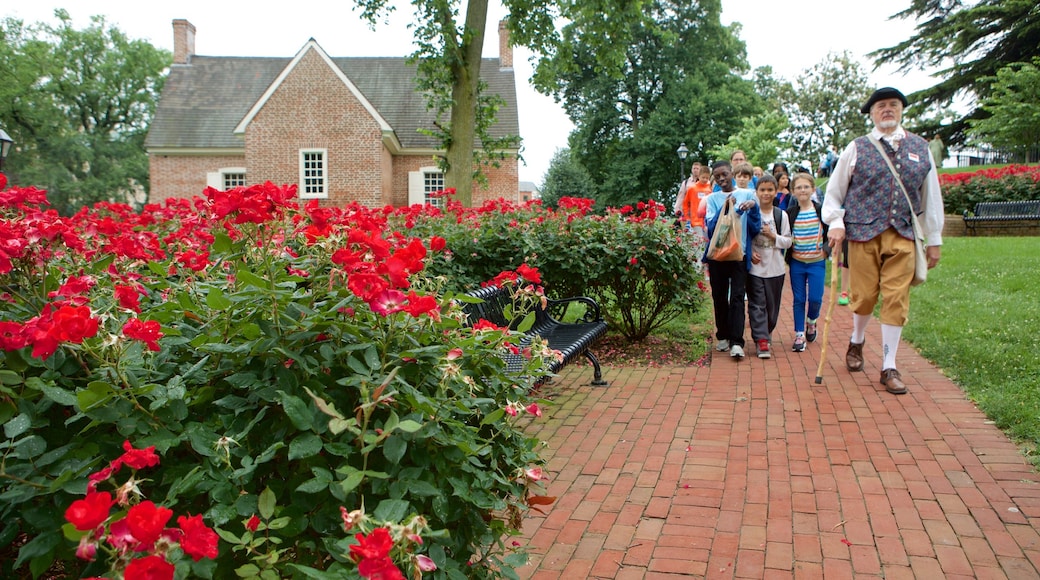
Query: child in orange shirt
{"points": [[691, 204]]}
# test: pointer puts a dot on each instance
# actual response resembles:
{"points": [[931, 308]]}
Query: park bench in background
{"points": [[1004, 214], [572, 339]]}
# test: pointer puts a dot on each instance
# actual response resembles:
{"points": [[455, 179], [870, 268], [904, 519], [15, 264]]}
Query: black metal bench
{"points": [[1007, 214], [572, 339]]}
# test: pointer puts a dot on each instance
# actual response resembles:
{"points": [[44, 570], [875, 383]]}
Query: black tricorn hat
{"points": [[882, 94]]}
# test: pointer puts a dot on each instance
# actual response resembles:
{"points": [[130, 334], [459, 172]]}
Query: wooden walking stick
{"points": [[830, 312]]}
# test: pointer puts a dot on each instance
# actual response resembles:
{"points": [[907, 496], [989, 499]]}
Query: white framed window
{"points": [[422, 184], [226, 178], [233, 180], [314, 178]]}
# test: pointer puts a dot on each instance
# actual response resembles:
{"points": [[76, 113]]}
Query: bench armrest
{"points": [[559, 306]]}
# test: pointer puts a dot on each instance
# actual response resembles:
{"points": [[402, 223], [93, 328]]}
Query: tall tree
{"points": [[449, 56], [758, 138], [565, 178], [78, 103], [969, 43], [1013, 120], [823, 106], [679, 82]]}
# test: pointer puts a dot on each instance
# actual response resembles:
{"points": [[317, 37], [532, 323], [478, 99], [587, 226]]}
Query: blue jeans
{"points": [[807, 287]]}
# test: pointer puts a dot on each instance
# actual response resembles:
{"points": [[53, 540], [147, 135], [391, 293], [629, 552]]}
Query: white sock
{"points": [[890, 344], [859, 327]]}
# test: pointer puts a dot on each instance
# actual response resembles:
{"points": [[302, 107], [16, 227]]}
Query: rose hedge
{"points": [[304, 381], [961, 191], [638, 267]]}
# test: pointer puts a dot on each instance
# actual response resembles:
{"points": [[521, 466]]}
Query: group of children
{"points": [[779, 235]]}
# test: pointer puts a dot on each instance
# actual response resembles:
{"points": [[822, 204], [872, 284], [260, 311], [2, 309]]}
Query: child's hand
{"points": [[767, 231], [755, 257]]}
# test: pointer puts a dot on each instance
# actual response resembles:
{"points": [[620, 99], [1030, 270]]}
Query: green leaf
{"points": [[41, 545], [10, 377], [216, 300], [247, 571], [59, 395], [493, 416], [96, 393], [250, 279], [298, 411], [31, 446], [227, 536], [306, 445], [338, 426], [15, 427], [221, 243], [394, 448], [352, 481], [265, 503], [391, 510], [409, 426]]}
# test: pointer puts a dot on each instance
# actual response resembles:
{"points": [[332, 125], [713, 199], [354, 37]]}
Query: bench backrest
{"points": [[1008, 208]]}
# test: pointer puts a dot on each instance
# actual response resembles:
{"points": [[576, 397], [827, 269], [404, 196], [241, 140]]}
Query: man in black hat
{"points": [[866, 205]]}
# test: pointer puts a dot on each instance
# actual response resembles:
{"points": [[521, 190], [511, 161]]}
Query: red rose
{"points": [[147, 521], [89, 512], [149, 568], [379, 569], [530, 274], [199, 541], [253, 523], [375, 545], [146, 331], [138, 458]]}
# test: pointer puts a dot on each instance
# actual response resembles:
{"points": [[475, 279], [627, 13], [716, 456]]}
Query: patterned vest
{"points": [[874, 202]]}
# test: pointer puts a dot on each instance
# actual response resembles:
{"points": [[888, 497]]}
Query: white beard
{"points": [[887, 124]]}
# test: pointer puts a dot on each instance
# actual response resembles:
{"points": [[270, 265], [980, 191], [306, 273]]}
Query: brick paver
{"points": [[751, 470]]}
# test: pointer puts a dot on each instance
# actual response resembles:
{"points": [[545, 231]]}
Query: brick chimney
{"points": [[183, 41], [505, 50]]}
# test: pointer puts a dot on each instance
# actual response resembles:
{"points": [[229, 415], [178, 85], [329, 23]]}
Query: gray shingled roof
{"points": [[202, 102]]}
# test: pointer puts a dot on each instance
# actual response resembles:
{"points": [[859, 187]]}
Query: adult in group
{"points": [[866, 204]]}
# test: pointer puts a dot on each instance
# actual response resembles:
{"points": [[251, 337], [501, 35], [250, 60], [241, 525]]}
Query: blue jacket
{"points": [[751, 222]]}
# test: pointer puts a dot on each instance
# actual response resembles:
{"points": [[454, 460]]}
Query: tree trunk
{"points": [[466, 75]]}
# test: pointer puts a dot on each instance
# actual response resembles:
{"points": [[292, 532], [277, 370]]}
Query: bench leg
{"points": [[597, 373]]}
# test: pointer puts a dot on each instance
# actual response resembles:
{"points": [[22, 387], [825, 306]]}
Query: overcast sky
{"points": [[790, 36]]}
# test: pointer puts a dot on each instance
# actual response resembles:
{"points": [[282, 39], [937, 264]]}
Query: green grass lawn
{"points": [[978, 318]]}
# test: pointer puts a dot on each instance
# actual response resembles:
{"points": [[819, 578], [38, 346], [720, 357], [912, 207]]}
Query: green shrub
{"points": [[641, 270], [961, 191], [299, 376]]}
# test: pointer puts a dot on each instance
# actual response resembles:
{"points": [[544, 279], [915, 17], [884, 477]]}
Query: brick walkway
{"points": [[751, 470]]}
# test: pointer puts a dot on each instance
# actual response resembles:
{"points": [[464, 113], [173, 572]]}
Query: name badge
{"points": [[914, 157]]}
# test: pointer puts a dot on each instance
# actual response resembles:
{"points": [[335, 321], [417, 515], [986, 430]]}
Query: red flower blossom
{"points": [[145, 331], [530, 274], [199, 540], [147, 521], [437, 243], [149, 568], [138, 458], [128, 297], [89, 512], [253, 523], [379, 569], [11, 336], [375, 545]]}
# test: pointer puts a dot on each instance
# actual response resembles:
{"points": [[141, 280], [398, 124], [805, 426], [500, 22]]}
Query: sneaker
{"points": [[763, 349], [736, 352], [722, 345], [810, 330], [844, 299], [799, 344]]}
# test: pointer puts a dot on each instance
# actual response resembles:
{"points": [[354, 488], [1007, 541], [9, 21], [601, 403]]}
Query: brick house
{"points": [[344, 129]]}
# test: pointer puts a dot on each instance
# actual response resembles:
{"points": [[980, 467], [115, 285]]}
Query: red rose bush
{"points": [[283, 359]]}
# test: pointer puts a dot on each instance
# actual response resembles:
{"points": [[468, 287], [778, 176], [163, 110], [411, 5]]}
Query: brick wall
{"points": [[185, 176], [503, 181], [314, 109]]}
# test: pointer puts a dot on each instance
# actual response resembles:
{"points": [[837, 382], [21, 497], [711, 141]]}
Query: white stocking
{"points": [[859, 327], [890, 342]]}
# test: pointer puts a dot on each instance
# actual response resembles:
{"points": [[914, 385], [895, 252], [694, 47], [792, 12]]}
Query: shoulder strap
{"points": [[778, 219]]}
